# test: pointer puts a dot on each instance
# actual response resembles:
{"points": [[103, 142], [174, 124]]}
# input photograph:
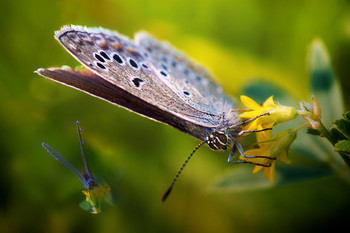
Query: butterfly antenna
{"points": [[86, 169], [166, 194]]}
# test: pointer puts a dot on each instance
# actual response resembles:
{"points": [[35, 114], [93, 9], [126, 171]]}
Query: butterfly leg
{"points": [[258, 164], [238, 147], [254, 118], [232, 154], [253, 131]]}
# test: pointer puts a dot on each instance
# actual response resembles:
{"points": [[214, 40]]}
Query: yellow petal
{"points": [[316, 110], [252, 126], [257, 151], [283, 156], [87, 193], [263, 136], [249, 103], [247, 115], [251, 152], [257, 169], [269, 102], [270, 172]]}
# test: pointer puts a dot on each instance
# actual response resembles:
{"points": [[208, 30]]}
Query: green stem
{"points": [[325, 133]]}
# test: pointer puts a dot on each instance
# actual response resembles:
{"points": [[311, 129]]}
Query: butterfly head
{"points": [[218, 140], [221, 139], [89, 182]]}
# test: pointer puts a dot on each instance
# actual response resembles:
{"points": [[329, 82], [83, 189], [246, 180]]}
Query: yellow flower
{"points": [[95, 196], [276, 148], [272, 148], [277, 114], [311, 113]]}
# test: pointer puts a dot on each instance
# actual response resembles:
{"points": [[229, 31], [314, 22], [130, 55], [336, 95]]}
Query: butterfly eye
{"points": [[221, 136]]}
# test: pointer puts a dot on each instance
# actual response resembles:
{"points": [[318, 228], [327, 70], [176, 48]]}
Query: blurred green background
{"points": [[239, 41]]}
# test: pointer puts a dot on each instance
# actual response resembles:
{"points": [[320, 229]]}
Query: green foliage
{"points": [[343, 147], [86, 205], [341, 136], [241, 179], [346, 116], [325, 88], [324, 84], [343, 126]]}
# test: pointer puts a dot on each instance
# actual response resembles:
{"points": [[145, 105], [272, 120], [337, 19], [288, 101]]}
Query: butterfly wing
{"points": [[130, 75], [185, 76], [92, 84]]}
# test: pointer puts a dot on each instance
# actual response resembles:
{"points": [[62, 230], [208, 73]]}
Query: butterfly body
{"points": [[152, 79]]}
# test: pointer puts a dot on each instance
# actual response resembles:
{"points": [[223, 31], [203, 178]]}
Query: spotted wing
{"points": [[190, 81], [130, 68], [85, 80]]}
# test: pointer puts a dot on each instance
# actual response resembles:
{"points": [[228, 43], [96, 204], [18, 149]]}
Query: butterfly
{"points": [[154, 80], [95, 192]]}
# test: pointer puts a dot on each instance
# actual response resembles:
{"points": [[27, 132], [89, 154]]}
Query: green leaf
{"points": [[85, 205], [343, 146], [322, 78], [293, 174], [343, 126], [336, 135], [346, 116], [242, 179], [323, 82]]}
